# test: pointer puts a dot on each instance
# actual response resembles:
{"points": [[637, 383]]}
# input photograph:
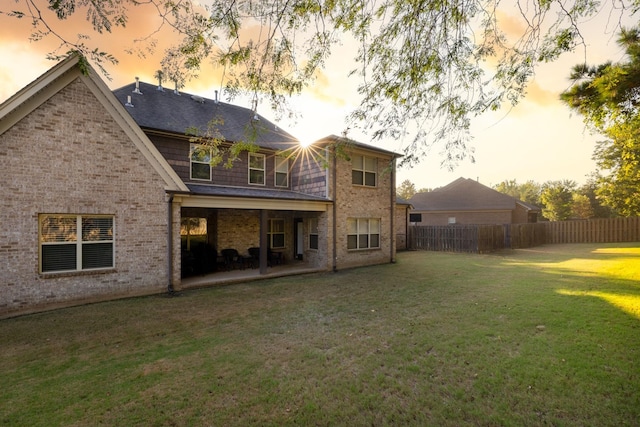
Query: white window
{"points": [[282, 171], [200, 156], [256, 168], [313, 233], [363, 170], [363, 233], [276, 233], [76, 242], [451, 220]]}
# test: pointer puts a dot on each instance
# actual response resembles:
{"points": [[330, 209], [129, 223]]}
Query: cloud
{"points": [[138, 47]]}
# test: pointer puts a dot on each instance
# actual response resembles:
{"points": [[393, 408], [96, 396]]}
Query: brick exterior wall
{"points": [[356, 201], [70, 157], [401, 220]]}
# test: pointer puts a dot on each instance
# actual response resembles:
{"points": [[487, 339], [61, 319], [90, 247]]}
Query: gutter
{"points": [[335, 212], [392, 199], [170, 288]]}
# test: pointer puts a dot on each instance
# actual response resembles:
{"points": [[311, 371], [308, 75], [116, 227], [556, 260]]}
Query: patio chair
{"points": [[254, 253], [231, 258]]}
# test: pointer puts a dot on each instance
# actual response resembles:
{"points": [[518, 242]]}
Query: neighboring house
{"points": [[465, 201], [103, 196]]}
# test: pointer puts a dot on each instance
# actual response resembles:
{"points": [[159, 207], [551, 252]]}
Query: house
{"points": [[465, 201], [104, 196]]}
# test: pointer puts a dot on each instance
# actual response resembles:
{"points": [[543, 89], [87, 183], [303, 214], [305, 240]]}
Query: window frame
{"points": [[360, 233], [271, 233], [314, 235], [78, 242], [192, 149], [251, 169], [365, 171], [279, 161]]}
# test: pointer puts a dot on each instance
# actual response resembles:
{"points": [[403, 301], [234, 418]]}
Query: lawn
{"points": [[545, 336]]}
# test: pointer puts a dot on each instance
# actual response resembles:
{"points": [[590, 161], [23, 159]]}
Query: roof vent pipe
{"points": [[137, 89], [216, 97], [128, 104], [175, 91]]}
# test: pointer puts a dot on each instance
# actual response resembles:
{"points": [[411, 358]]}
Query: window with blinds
{"points": [[313, 233], [200, 157], [363, 233], [76, 242], [276, 234]]}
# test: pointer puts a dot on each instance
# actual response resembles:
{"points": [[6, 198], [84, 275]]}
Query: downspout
{"points": [[170, 289], [392, 197], [335, 212]]}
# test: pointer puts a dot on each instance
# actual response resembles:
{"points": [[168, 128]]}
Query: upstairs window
{"points": [[276, 233], [256, 168], [363, 170], [282, 171], [363, 233], [200, 162], [75, 242]]}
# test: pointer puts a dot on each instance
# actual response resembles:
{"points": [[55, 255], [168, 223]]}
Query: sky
{"points": [[540, 139]]}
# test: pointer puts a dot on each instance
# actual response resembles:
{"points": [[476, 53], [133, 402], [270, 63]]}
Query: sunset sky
{"points": [[538, 140]]}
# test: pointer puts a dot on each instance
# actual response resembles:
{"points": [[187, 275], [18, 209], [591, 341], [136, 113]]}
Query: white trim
{"points": [[194, 201], [79, 242], [364, 171], [61, 75], [280, 160], [264, 169], [192, 148], [270, 233]]}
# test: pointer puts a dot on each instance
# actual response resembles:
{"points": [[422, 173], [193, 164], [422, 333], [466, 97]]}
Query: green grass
{"points": [[546, 336]]}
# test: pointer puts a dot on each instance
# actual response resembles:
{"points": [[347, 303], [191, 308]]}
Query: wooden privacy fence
{"points": [[606, 230], [458, 238], [488, 238]]}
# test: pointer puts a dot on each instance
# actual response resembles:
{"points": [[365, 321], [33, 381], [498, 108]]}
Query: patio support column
{"points": [[263, 241]]}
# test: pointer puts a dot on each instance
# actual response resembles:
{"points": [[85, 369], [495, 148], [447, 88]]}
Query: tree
{"points": [[424, 65], [557, 200], [406, 190], [591, 189], [608, 97], [581, 207], [528, 192]]}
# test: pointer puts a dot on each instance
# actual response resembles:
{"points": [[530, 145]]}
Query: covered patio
{"points": [[271, 236], [249, 274]]}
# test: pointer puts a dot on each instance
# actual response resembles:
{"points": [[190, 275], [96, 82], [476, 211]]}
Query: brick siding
{"points": [[355, 201], [70, 157]]}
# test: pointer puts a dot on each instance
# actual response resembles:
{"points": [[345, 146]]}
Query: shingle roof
{"points": [[333, 139], [261, 193], [462, 195], [166, 111]]}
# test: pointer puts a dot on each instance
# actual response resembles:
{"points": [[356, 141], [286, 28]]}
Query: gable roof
{"points": [[58, 77], [334, 139], [462, 195], [164, 110]]}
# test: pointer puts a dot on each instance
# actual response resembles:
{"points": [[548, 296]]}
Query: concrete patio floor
{"points": [[248, 274]]}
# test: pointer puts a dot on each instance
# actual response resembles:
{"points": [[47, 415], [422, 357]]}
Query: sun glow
{"points": [[626, 302], [305, 143]]}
